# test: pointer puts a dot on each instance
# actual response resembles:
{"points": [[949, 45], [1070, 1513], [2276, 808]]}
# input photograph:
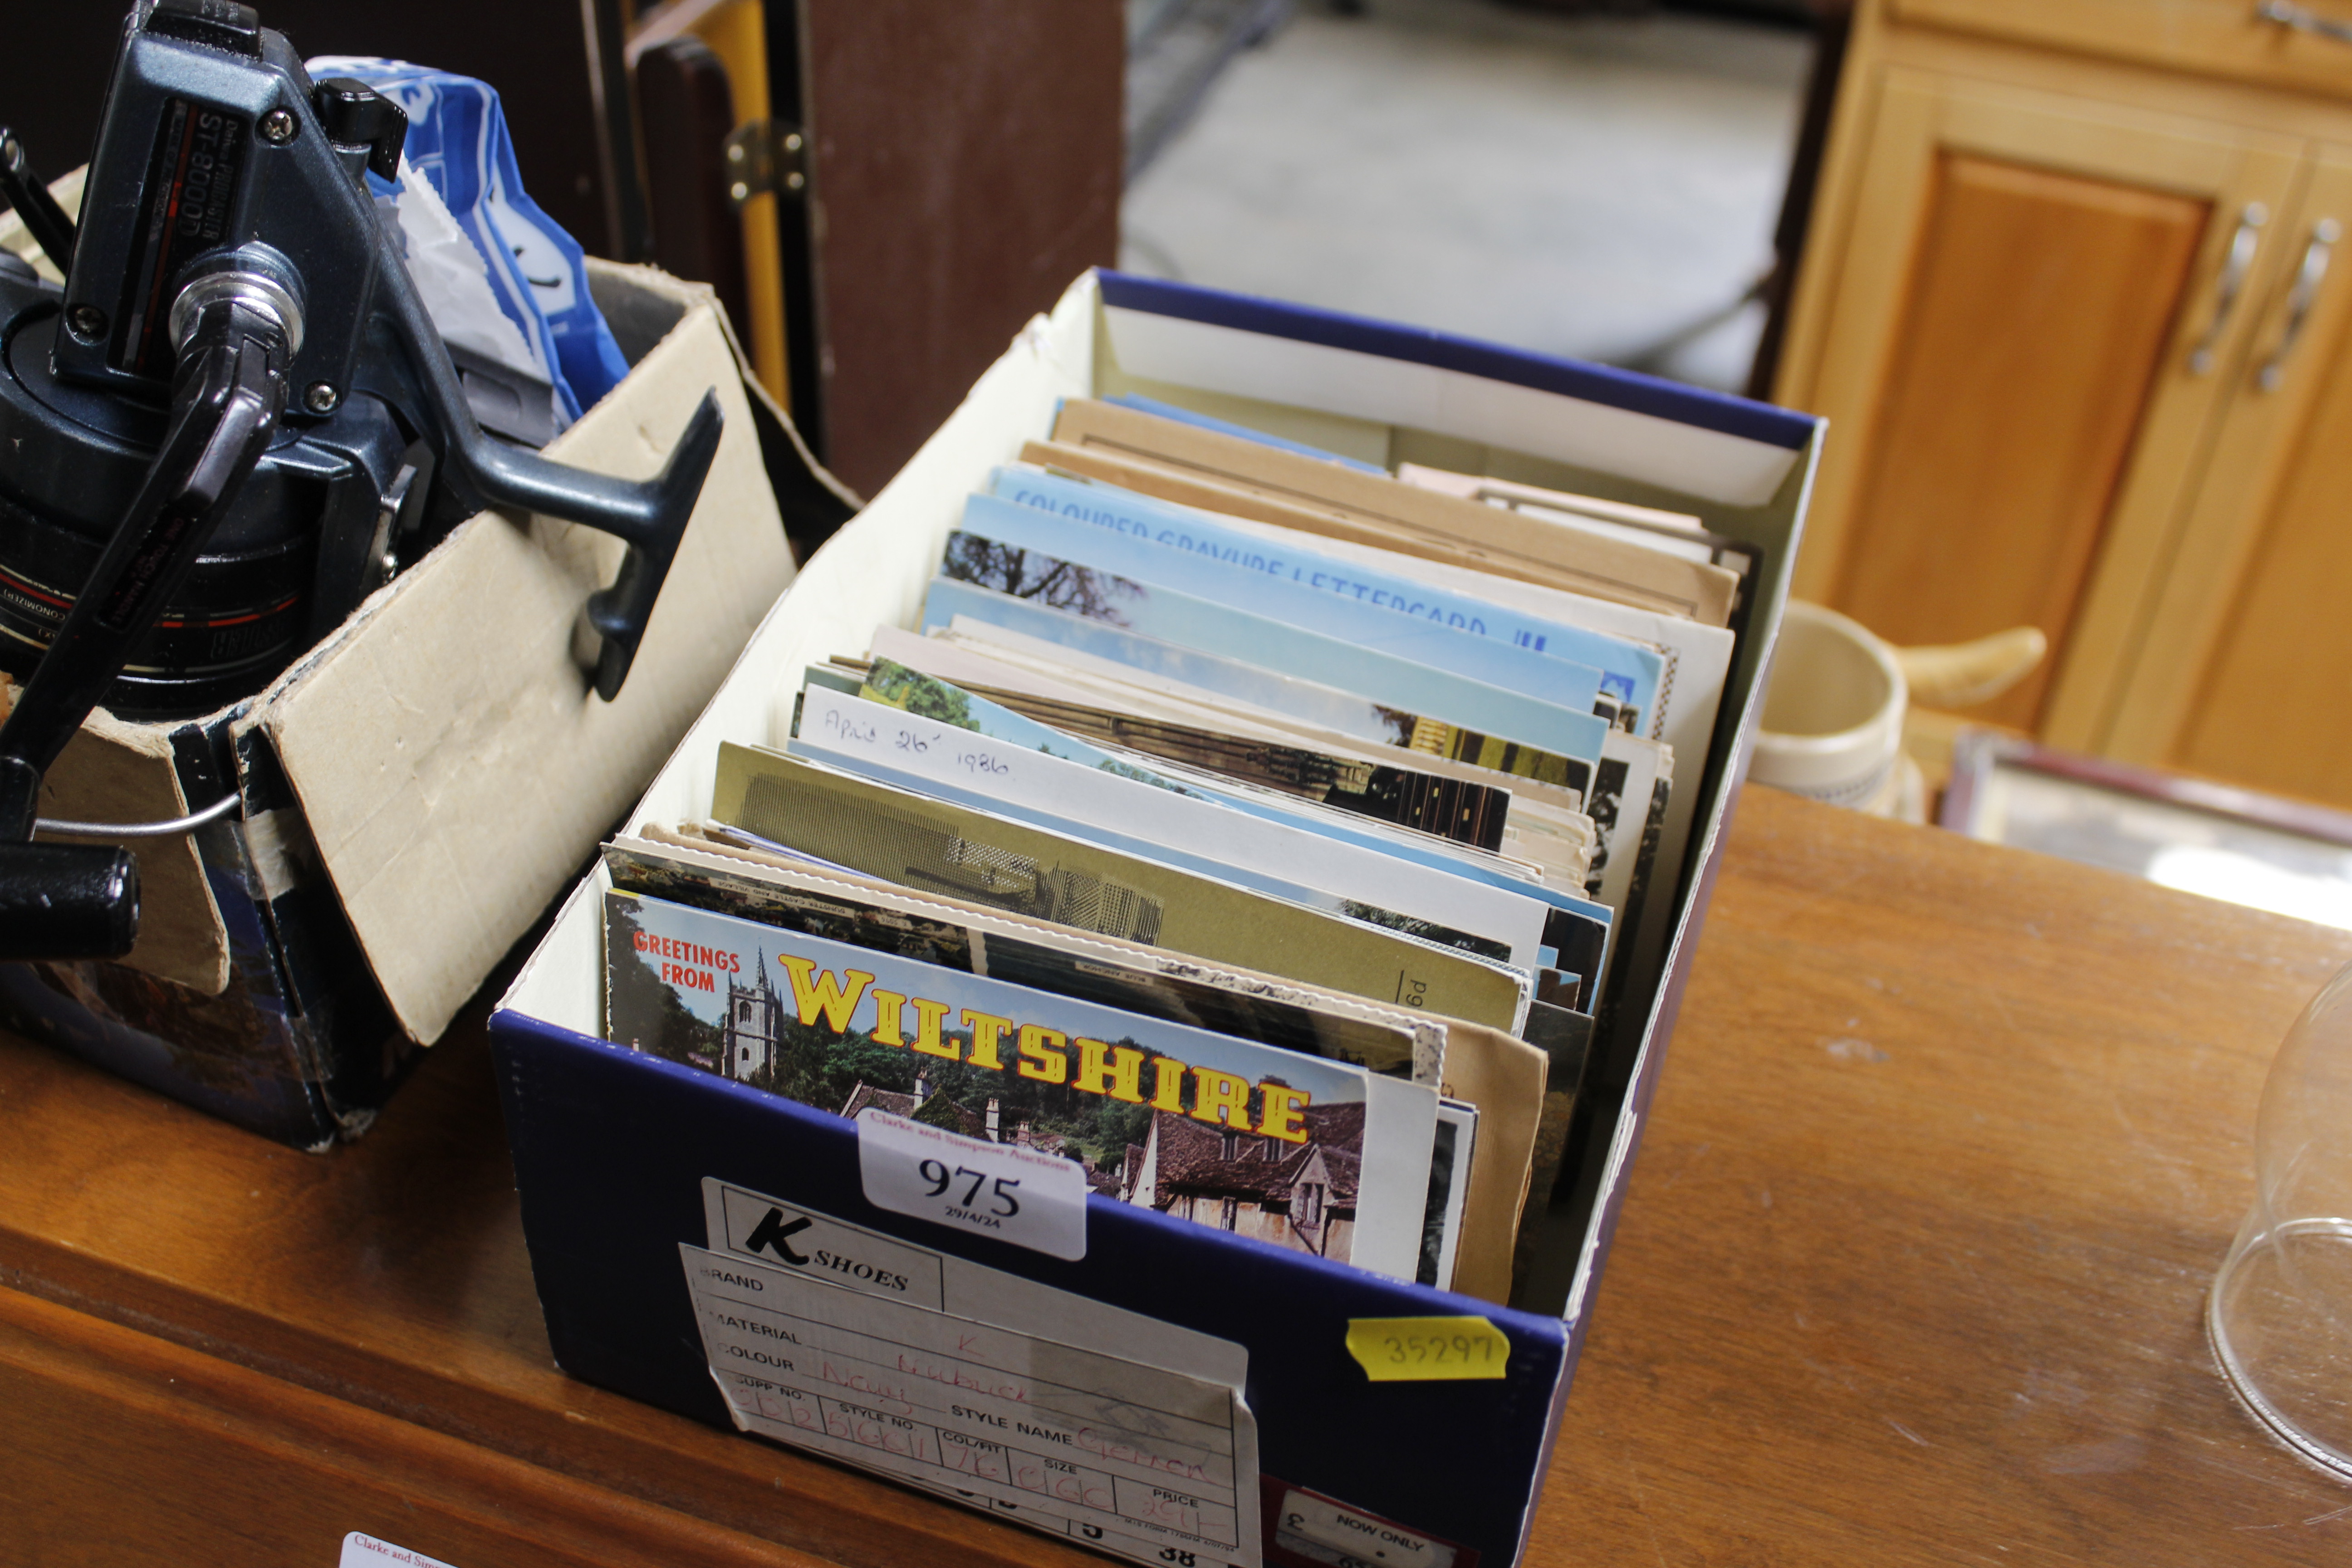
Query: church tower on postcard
{"points": [[754, 1014]]}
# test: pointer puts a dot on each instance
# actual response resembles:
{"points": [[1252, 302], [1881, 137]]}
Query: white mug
{"points": [[1832, 724]]}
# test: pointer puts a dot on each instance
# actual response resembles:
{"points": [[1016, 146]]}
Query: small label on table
{"points": [[360, 1551], [1427, 1349], [998, 1190]]}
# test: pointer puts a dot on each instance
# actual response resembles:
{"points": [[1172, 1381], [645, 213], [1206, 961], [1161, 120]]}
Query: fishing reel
{"points": [[235, 421]]}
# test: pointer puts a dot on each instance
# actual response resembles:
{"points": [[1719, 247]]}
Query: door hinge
{"points": [[766, 157]]}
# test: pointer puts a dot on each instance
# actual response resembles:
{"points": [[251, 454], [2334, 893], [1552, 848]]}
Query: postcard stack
{"points": [[1157, 942], [1259, 830]]}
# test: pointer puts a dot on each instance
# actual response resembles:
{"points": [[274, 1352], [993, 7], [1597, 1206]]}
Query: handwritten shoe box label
{"points": [[927, 1384]]}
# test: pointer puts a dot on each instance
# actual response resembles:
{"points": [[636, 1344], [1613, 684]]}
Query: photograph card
{"points": [[1003, 946], [941, 846], [1312, 1155]]}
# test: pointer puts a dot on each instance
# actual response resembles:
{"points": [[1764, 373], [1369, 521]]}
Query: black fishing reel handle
{"points": [[354, 264], [82, 901], [648, 515], [45, 220]]}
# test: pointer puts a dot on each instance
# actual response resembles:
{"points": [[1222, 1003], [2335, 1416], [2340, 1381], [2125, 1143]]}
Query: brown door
{"points": [[965, 168]]}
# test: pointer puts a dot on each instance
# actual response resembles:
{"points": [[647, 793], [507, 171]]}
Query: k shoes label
{"points": [[1110, 1429]]}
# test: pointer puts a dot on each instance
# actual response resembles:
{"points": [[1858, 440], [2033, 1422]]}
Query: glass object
{"points": [[2280, 1315]]}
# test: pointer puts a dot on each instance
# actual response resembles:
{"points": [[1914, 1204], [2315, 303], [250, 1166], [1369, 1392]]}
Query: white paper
{"points": [[1001, 1191], [1000, 774], [1654, 448], [1125, 1432], [1323, 1530], [454, 282], [968, 664], [365, 1551], [1690, 689]]}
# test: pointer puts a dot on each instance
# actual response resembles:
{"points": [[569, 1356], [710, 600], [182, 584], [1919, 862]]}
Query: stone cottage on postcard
{"points": [[1301, 1196]]}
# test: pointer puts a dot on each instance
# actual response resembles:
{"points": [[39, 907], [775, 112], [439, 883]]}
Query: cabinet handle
{"points": [[2286, 14], [2242, 246], [2324, 236]]}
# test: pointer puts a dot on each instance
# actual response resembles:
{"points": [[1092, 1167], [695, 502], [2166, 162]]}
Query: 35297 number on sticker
{"points": [[1428, 1350]]}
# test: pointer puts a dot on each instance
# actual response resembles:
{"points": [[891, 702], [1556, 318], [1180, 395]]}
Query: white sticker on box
{"points": [[1318, 1528], [362, 1550], [849, 1256], [1055, 1428], [1001, 1191]]}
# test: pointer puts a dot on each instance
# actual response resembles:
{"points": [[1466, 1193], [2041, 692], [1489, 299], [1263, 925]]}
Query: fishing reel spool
{"points": [[234, 422]]}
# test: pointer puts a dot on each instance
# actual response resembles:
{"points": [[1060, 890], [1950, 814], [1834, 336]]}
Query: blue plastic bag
{"points": [[458, 142]]}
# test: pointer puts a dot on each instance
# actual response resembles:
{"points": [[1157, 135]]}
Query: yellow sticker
{"points": [[1427, 1349]]}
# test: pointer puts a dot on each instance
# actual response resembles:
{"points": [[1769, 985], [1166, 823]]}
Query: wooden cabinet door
{"points": [[2004, 358], [2243, 668], [2207, 37]]}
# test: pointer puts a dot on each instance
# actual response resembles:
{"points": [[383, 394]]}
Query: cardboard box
{"points": [[636, 1173], [416, 789]]}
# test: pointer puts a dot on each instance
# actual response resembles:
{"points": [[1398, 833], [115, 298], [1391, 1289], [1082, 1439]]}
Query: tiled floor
{"points": [[1583, 185]]}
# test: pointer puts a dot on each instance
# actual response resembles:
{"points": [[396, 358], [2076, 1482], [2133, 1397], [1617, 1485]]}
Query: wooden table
{"points": [[1948, 1145]]}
